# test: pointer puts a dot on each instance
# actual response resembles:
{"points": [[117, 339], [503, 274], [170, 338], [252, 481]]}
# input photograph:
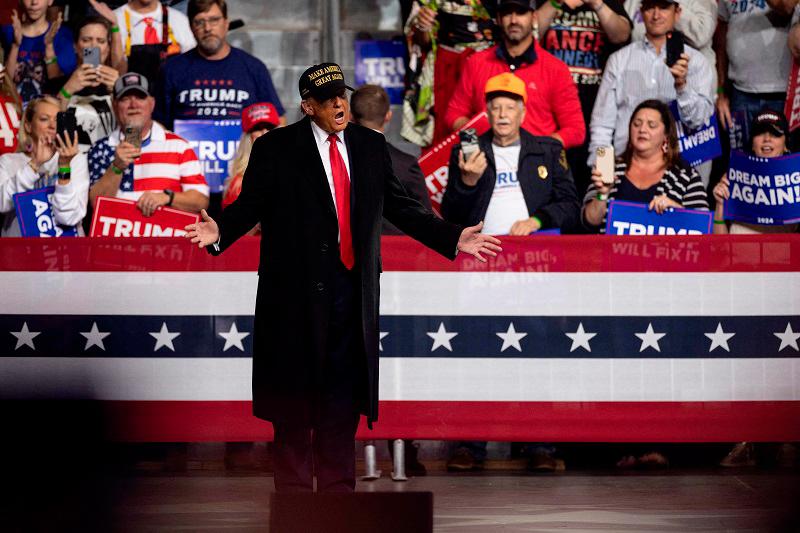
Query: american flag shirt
{"points": [[167, 162]]}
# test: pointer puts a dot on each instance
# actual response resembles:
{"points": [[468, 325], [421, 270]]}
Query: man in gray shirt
{"points": [[639, 72]]}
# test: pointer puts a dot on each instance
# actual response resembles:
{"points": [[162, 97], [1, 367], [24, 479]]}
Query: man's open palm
{"points": [[204, 232], [475, 243]]}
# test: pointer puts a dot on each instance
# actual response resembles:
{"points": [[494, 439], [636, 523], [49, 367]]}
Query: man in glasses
{"points": [[214, 80]]}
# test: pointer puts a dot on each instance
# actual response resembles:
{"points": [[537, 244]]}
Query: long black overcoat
{"points": [[286, 190]]}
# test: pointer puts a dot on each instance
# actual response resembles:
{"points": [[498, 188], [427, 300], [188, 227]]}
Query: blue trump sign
{"points": [[764, 191], [215, 142], [35, 216], [697, 145], [629, 218], [382, 63]]}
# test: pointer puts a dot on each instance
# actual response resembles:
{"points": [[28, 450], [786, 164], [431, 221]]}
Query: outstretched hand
{"points": [[475, 243], [203, 233]]}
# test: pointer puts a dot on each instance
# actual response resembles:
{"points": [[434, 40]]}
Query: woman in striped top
{"points": [[650, 171]]}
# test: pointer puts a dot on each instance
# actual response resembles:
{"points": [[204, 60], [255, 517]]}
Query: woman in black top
{"points": [[650, 171]]}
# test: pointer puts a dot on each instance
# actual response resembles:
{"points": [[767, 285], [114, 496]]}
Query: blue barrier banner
{"points": [[764, 191], [629, 218], [697, 145], [35, 216], [215, 142], [382, 63]]}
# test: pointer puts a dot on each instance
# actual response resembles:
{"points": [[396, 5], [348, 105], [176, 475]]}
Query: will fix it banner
{"points": [[35, 215], [434, 163], [215, 142], [764, 191], [115, 217]]}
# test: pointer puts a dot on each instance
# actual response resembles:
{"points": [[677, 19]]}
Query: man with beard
{"points": [[156, 168], [552, 109], [214, 80]]}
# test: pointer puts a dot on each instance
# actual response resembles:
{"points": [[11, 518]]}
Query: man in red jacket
{"points": [[553, 107]]}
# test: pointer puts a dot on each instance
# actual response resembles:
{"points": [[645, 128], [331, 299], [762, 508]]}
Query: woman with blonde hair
{"points": [[44, 159]]}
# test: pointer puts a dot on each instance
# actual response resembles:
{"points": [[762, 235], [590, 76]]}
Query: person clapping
{"points": [[45, 159]]}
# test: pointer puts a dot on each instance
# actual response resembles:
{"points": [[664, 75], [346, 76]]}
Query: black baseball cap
{"points": [[322, 81], [505, 5], [662, 3], [771, 121]]}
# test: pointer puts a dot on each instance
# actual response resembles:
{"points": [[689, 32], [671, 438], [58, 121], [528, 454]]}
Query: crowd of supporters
{"points": [[595, 74], [558, 80], [118, 79]]}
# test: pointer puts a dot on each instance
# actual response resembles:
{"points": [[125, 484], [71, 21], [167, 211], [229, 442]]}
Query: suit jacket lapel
{"points": [[355, 183], [315, 172]]}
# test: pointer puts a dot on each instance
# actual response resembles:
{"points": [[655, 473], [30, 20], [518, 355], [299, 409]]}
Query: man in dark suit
{"points": [[320, 188], [371, 108]]}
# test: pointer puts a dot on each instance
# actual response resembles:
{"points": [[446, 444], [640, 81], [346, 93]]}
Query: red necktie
{"points": [[150, 35], [341, 186]]}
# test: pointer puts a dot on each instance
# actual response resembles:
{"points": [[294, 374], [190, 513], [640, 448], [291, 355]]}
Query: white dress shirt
{"points": [[323, 145], [636, 73]]}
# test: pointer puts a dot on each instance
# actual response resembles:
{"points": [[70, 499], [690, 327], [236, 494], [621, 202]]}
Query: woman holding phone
{"points": [[88, 90], [44, 159], [650, 171]]}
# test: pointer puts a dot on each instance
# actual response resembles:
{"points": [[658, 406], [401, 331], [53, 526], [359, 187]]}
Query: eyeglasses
{"points": [[212, 22]]}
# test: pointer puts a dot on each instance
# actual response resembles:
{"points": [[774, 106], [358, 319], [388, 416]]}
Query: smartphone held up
{"points": [[469, 142], [605, 163]]}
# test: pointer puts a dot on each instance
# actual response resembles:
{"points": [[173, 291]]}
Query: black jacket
{"points": [[552, 198], [285, 189], [410, 175]]}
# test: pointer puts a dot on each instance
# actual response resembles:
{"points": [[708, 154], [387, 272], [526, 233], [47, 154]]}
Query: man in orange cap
{"points": [[517, 183]]}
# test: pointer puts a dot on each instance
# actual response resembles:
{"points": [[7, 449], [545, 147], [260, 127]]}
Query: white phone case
{"points": [[605, 163]]}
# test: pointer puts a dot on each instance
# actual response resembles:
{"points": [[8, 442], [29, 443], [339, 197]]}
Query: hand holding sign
{"points": [[207, 232], [722, 190], [150, 201], [661, 203]]}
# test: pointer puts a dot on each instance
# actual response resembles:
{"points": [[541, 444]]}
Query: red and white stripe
{"points": [[167, 162]]}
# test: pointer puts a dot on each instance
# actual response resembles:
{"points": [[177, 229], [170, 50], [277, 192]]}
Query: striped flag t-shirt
{"points": [[167, 162]]}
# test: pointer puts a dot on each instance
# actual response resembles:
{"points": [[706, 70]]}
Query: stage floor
{"points": [[487, 502]]}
